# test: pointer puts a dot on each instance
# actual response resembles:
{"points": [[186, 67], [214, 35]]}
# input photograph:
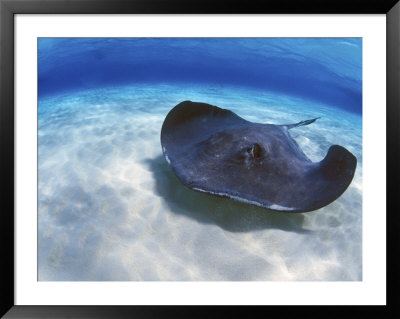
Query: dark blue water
{"points": [[326, 70]]}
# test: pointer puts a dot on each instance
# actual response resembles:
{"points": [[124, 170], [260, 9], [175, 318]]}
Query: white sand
{"points": [[110, 207]]}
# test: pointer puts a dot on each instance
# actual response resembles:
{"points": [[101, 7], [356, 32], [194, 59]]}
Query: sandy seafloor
{"points": [[111, 209]]}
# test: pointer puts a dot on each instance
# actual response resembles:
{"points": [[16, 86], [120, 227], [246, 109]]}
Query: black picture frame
{"points": [[8, 8]]}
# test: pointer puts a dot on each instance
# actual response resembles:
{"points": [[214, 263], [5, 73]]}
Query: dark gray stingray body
{"points": [[215, 151]]}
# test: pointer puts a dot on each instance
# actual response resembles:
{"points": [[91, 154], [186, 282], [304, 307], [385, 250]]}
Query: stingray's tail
{"points": [[306, 122]]}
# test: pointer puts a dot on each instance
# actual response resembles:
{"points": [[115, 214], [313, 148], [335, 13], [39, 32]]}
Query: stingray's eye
{"points": [[255, 150]]}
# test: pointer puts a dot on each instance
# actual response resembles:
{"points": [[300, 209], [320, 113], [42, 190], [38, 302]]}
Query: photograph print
{"points": [[200, 159]]}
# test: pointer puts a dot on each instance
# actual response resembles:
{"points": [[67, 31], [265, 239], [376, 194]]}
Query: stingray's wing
{"points": [[306, 122], [188, 120]]}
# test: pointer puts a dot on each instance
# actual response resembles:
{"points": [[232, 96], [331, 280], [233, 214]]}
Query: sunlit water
{"points": [[110, 207]]}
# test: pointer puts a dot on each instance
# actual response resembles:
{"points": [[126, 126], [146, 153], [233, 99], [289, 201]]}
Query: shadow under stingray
{"points": [[207, 209]]}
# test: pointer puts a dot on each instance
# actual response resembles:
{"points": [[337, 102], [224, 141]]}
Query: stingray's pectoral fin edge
{"points": [[241, 199], [338, 163], [302, 123]]}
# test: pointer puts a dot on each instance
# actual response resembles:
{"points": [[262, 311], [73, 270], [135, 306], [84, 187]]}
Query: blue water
{"points": [[324, 70], [110, 207]]}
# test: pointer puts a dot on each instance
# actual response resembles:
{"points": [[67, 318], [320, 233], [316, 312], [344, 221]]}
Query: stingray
{"points": [[215, 151]]}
